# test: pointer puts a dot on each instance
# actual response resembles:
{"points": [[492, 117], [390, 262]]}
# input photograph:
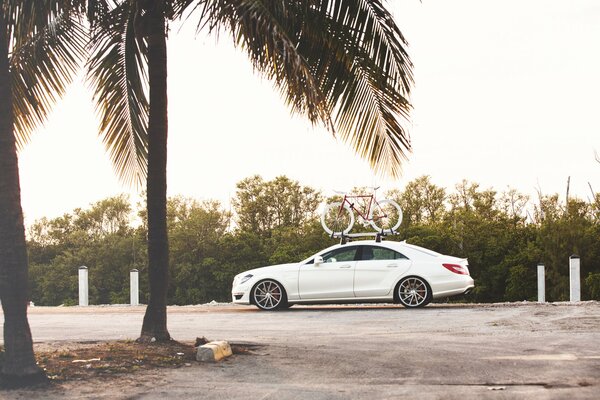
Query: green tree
{"points": [[283, 214], [473, 223], [563, 230], [514, 204], [520, 284], [99, 237], [262, 206], [209, 247], [422, 201], [195, 232], [592, 282], [481, 231]]}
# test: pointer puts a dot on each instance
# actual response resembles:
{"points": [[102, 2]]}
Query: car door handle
{"points": [[346, 266], [393, 266]]}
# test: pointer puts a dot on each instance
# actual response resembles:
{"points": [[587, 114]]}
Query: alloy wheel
{"points": [[268, 295], [413, 292]]}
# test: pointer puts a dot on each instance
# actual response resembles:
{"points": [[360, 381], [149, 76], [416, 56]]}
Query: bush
{"points": [[520, 284], [592, 282]]}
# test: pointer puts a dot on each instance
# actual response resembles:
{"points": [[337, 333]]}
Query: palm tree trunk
{"points": [[19, 366], [155, 319]]}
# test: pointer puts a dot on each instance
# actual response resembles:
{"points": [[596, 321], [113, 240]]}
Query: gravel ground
{"points": [[497, 351]]}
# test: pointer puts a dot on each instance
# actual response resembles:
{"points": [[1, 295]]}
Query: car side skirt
{"points": [[349, 300]]}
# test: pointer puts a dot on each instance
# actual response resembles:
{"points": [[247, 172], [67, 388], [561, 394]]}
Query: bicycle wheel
{"points": [[386, 216], [337, 219]]}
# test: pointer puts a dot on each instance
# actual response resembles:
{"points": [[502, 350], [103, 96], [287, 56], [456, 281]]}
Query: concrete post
{"points": [[83, 286], [541, 273], [134, 285], [575, 282]]}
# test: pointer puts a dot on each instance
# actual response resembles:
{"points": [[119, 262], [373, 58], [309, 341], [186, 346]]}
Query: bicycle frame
{"points": [[372, 202]]}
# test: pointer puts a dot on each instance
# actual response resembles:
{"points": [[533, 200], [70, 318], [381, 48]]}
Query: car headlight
{"points": [[246, 278]]}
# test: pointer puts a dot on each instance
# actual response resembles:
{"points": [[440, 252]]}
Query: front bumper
{"points": [[240, 294]]}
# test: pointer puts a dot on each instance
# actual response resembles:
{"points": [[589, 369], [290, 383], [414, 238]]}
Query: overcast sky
{"points": [[507, 94]]}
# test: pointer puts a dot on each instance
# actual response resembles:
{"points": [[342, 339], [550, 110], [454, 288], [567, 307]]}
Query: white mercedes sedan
{"points": [[363, 271]]}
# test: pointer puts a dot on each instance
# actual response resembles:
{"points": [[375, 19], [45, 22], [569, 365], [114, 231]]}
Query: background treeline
{"points": [[504, 235]]}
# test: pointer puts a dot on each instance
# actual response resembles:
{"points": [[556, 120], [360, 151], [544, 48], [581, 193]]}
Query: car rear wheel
{"points": [[269, 295], [414, 292]]}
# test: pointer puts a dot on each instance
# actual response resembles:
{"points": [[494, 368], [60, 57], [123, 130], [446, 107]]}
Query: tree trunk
{"points": [[155, 319], [19, 366]]}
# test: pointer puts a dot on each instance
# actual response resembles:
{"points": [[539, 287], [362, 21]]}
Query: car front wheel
{"points": [[269, 295], [414, 292]]}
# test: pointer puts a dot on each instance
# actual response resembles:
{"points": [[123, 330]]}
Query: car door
{"points": [[331, 279], [377, 270]]}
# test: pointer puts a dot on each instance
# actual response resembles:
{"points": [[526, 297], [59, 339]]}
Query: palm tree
{"points": [[129, 47], [40, 46], [339, 62]]}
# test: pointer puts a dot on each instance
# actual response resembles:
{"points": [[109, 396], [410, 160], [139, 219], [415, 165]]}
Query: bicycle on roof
{"points": [[385, 216]]}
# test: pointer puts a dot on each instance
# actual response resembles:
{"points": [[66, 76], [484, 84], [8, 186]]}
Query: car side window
{"points": [[380, 253], [343, 254]]}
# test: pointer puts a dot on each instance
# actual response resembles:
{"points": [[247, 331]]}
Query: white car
{"points": [[362, 271]]}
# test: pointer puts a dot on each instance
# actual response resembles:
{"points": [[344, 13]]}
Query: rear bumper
{"points": [[462, 285]]}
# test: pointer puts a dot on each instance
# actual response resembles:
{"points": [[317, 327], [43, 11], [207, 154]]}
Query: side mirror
{"points": [[318, 260]]}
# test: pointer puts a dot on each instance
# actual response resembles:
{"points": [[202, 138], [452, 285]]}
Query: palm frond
{"points": [[364, 69], [97, 8], [28, 18], [117, 73], [176, 8], [261, 28], [42, 66], [358, 55], [344, 60]]}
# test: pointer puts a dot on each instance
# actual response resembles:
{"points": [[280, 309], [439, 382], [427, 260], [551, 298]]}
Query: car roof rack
{"points": [[348, 237]]}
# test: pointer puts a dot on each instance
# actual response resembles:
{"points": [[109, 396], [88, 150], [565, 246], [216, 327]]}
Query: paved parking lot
{"points": [[502, 351]]}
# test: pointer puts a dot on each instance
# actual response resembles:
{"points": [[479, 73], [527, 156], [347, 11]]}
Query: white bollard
{"points": [[541, 273], [575, 282], [83, 286], [134, 285]]}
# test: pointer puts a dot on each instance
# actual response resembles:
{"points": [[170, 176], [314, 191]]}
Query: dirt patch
{"points": [[116, 358], [113, 358]]}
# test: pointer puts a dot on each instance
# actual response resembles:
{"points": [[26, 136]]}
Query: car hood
{"points": [[273, 268]]}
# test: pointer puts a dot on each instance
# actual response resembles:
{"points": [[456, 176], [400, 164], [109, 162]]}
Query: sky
{"points": [[507, 94]]}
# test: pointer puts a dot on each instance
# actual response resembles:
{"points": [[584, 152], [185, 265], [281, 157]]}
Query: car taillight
{"points": [[457, 269]]}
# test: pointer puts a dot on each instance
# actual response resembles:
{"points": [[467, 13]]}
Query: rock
{"points": [[200, 341], [213, 351]]}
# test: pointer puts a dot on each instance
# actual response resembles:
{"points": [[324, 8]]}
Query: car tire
{"points": [[413, 292], [269, 295]]}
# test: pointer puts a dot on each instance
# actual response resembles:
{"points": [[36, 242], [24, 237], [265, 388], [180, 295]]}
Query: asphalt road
{"points": [[502, 351]]}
